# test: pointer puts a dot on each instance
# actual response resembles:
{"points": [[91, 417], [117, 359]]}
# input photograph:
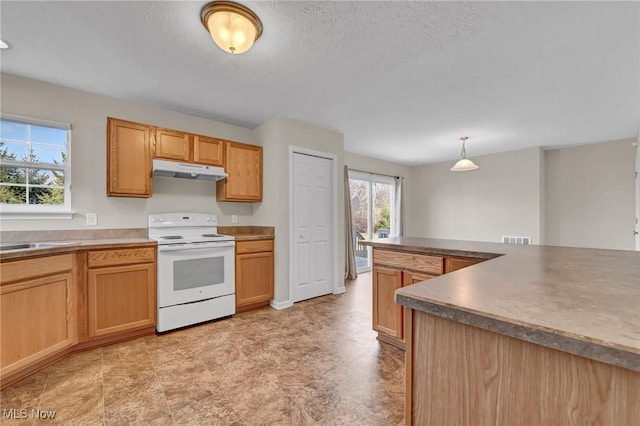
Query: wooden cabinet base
{"points": [[18, 375], [463, 375], [252, 306], [391, 340]]}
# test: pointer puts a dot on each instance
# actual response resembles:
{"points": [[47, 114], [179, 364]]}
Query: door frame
{"points": [[372, 178], [636, 227], [293, 149]]}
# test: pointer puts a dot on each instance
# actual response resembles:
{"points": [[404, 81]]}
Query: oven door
{"points": [[193, 272]]}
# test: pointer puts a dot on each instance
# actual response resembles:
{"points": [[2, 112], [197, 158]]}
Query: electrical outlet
{"points": [[234, 218], [92, 219]]}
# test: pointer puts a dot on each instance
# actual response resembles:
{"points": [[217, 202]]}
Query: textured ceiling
{"points": [[402, 80]]}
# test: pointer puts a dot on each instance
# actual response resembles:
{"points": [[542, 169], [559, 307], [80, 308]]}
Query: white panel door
{"points": [[312, 207]]}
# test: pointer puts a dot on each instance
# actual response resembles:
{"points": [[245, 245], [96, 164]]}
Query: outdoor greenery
{"points": [[381, 194], [45, 186], [384, 219]]}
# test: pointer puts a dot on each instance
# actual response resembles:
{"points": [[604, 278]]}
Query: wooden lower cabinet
{"points": [[387, 314], [52, 306], [393, 269], [454, 263], [37, 312], [457, 374], [254, 274], [121, 291]]}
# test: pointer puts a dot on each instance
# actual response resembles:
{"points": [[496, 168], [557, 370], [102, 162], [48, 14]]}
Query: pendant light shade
{"points": [[233, 27], [464, 164]]}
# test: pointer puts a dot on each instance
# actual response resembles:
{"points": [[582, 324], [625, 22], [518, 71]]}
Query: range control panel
{"points": [[182, 220]]}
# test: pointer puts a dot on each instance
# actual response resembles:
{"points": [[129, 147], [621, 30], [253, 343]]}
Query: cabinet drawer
{"points": [[32, 268], [409, 261], [100, 258], [254, 246], [453, 263]]}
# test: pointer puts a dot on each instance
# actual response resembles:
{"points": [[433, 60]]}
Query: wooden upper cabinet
{"points": [[207, 150], [128, 159], [243, 164], [172, 145]]}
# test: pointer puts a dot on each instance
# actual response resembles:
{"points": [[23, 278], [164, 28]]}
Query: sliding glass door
{"points": [[373, 212]]}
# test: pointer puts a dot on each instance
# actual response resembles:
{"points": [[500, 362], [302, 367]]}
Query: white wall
{"points": [[501, 198], [590, 196], [88, 114], [276, 136]]}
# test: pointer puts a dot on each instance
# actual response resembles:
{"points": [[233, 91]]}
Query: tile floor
{"points": [[315, 363]]}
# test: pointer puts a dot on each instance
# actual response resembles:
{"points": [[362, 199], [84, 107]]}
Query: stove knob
{"points": [[161, 220], [208, 219]]}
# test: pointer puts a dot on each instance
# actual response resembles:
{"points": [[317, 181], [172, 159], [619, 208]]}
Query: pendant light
{"points": [[464, 164], [232, 26]]}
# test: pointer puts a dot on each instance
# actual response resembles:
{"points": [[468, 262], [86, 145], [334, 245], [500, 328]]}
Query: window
{"points": [[35, 166], [373, 212]]}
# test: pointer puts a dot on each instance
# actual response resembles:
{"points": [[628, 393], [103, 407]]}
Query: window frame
{"points": [[40, 211]]}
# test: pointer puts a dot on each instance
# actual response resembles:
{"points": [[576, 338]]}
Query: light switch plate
{"points": [[234, 218], [92, 219]]}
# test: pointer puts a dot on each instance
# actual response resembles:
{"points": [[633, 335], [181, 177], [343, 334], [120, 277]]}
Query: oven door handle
{"points": [[192, 248]]}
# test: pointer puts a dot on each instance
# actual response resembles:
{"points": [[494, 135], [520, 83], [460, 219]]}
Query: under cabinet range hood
{"points": [[187, 170]]}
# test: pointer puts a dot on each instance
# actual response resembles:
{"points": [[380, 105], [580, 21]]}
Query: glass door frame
{"points": [[371, 179]]}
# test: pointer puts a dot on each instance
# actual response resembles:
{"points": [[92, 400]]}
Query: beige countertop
{"points": [[71, 246], [581, 301], [248, 233]]}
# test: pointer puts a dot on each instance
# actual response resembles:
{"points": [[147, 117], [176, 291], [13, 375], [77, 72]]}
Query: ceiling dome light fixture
{"points": [[464, 164], [4, 44], [232, 26]]}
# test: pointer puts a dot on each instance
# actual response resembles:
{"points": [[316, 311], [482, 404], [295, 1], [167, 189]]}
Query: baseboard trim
{"points": [[340, 290], [281, 305]]}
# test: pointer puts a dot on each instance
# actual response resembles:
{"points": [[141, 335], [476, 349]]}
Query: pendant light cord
{"points": [[463, 153]]}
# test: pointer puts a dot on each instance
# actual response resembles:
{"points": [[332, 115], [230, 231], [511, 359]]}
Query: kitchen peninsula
{"points": [[530, 335]]}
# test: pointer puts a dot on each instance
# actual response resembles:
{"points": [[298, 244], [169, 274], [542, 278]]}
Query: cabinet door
{"points": [[128, 159], [37, 319], [409, 278], [243, 164], [254, 278], [172, 145], [207, 150], [387, 314], [121, 298]]}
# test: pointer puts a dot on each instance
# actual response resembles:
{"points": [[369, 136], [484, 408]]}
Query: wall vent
{"points": [[516, 240]]}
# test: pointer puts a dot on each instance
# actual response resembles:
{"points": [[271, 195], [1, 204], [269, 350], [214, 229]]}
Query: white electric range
{"points": [[196, 269]]}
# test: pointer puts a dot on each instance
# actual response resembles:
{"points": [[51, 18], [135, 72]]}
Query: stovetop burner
{"points": [[185, 228]]}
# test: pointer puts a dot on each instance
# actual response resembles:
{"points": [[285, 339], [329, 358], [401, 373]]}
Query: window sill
{"points": [[41, 215]]}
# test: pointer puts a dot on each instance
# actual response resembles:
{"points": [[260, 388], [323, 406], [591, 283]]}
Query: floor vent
{"points": [[516, 240]]}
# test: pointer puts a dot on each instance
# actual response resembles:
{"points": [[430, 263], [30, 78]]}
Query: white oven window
{"points": [[194, 273]]}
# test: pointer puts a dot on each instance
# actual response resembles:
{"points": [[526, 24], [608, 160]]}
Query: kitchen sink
{"points": [[22, 246], [52, 244]]}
